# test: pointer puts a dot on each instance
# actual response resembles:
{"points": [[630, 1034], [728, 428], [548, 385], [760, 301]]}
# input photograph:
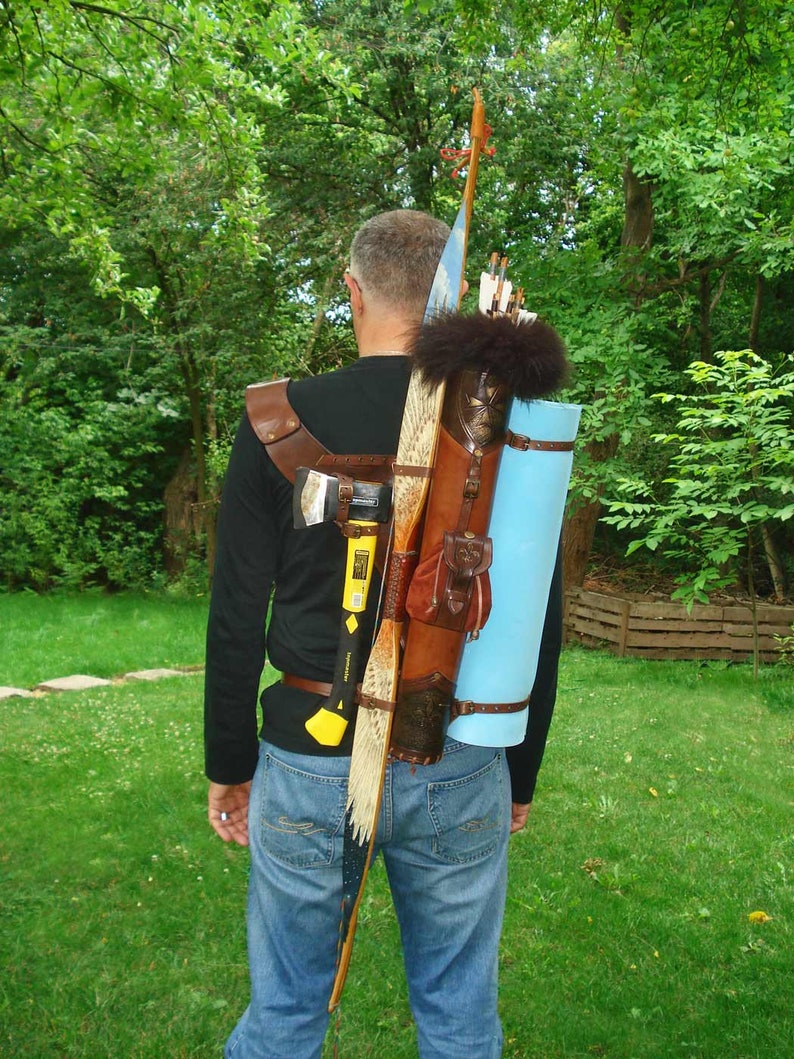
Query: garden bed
{"points": [[649, 626]]}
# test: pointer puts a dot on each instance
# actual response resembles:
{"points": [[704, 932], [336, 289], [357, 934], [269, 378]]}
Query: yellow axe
{"points": [[359, 509]]}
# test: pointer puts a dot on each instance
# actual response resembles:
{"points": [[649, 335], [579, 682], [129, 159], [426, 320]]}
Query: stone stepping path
{"points": [[81, 681]]}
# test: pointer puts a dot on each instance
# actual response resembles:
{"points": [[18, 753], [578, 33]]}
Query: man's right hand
{"points": [[228, 811], [520, 814]]}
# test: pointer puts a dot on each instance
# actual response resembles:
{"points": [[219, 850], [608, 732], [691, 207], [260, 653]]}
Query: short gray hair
{"points": [[394, 257]]}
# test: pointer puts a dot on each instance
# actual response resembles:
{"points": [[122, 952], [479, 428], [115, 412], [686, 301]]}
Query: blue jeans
{"points": [[443, 834]]}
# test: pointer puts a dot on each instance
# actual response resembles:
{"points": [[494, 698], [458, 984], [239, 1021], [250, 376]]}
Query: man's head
{"points": [[394, 257]]}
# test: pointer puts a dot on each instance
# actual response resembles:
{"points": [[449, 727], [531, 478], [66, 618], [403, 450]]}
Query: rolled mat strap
{"points": [[462, 708], [525, 444]]}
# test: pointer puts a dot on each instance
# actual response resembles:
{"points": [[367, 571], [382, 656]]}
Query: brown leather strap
{"points": [[356, 530], [523, 443], [460, 708], [345, 496], [275, 423], [369, 468], [406, 470], [371, 703], [471, 490], [314, 687], [290, 445], [318, 687]]}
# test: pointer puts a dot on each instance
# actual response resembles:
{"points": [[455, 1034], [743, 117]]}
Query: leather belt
{"points": [[314, 687]]}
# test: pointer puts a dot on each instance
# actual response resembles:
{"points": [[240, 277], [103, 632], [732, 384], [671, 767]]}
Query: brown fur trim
{"points": [[529, 358]]}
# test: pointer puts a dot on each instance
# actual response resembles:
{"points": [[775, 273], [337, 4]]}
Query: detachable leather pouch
{"points": [[451, 587]]}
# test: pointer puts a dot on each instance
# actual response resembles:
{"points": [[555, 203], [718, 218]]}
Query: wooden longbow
{"points": [[412, 469]]}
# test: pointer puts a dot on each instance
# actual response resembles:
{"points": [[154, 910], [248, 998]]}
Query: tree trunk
{"points": [[323, 302], [638, 221], [771, 553], [580, 525], [577, 542], [212, 490], [755, 319], [636, 238], [204, 505], [753, 604], [182, 526], [774, 562], [705, 316]]}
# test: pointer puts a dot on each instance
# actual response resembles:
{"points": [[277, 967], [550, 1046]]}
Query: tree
{"points": [[685, 201], [129, 132], [202, 167]]}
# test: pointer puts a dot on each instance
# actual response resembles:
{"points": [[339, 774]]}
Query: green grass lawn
{"points": [[663, 819], [101, 635]]}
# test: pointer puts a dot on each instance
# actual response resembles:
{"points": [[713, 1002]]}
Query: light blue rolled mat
{"points": [[526, 520]]}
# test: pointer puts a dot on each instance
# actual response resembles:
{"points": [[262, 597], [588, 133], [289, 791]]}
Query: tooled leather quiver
{"points": [[449, 595]]}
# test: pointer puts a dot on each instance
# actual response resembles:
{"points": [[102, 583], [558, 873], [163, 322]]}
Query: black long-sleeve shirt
{"points": [[357, 409]]}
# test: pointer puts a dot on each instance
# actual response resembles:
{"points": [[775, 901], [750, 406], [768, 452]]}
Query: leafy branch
{"points": [[731, 475]]}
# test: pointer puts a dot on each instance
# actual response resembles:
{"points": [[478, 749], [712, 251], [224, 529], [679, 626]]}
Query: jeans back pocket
{"points": [[301, 815], [467, 814]]}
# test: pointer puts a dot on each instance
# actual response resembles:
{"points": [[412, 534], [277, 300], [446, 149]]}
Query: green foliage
{"points": [[202, 167], [731, 472], [78, 485], [786, 648]]}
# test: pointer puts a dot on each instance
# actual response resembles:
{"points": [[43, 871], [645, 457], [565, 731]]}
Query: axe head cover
{"points": [[316, 499]]}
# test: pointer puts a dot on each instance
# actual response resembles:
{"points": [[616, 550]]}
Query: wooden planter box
{"points": [[652, 627]]}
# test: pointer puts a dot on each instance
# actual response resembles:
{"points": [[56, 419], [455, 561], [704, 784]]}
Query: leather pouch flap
{"points": [[467, 554]]}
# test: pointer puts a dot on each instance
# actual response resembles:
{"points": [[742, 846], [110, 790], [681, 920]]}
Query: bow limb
{"points": [[415, 452], [477, 135]]}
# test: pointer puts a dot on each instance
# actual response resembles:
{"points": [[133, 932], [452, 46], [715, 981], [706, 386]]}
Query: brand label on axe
{"points": [[360, 565]]}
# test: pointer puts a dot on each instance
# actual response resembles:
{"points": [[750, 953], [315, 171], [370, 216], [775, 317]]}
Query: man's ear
{"points": [[356, 301]]}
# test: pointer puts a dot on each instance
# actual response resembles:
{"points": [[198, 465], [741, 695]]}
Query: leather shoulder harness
{"points": [[290, 445]]}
